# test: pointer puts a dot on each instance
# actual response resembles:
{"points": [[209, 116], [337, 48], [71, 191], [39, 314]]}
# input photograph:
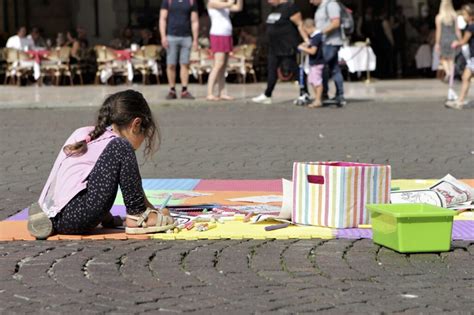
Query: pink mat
{"points": [[273, 185]]}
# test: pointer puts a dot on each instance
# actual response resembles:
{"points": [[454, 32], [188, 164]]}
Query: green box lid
{"points": [[410, 210]]}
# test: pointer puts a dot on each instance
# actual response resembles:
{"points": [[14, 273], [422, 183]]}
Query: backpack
{"points": [[347, 20]]}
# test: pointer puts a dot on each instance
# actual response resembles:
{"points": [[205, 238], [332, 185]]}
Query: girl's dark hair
{"points": [[120, 109]]}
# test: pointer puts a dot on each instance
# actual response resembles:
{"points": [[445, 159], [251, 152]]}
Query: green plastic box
{"points": [[411, 228]]}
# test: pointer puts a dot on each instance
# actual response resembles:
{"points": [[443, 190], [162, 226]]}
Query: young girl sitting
{"points": [[94, 161]]}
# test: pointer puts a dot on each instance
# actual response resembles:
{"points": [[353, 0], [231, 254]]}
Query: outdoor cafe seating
{"points": [[146, 60], [241, 62], [106, 65], [18, 65], [54, 63]]}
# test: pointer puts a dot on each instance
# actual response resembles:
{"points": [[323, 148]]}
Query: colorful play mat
{"points": [[191, 192]]}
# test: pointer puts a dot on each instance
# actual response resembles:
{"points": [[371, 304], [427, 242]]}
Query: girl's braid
{"points": [[103, 120]]}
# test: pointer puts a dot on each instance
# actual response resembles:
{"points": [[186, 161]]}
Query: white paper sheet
{"points": [[448, 192], [258, 209], [259, 199]]}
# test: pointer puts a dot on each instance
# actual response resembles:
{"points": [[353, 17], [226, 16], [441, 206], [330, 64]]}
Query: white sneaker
{"points": [[262, 99]]}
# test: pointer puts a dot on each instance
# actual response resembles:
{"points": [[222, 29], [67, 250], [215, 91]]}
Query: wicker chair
{"points": [[57, 65], [200, 63], [19, 65], [146, 61], [77, 68], [107, 59], [241, 62]]}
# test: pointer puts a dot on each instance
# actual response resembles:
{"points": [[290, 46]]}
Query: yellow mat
{"points": [[241, 230]]}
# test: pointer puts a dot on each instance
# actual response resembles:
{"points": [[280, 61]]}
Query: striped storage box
{"points": [[334, 194]]}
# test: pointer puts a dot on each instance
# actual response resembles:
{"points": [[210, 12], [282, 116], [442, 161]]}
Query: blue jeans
{"points": [[332, 69]]}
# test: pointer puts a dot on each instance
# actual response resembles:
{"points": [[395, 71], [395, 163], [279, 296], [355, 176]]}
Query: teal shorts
{"points": [[178, 47]]}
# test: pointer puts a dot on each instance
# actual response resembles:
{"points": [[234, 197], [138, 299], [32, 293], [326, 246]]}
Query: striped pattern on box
{"points": [[334, 194]]}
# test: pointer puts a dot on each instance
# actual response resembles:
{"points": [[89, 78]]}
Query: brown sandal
{"points": [[163, 223]]}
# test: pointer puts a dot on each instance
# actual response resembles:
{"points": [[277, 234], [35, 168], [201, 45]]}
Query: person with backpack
{"points": [[179, 30], [328, 17]]}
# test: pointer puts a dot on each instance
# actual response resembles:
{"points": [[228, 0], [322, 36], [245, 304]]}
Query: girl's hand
{"points": [[437, 48]]}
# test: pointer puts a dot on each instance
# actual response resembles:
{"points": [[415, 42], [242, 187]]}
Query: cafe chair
{"points": [[146, 60], [241, 62], [19, 65], [108, 61]]}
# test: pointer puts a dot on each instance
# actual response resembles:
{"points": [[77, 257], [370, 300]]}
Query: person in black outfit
{"points": [[284, 27], [383, 46], [366, 25], [400, 38]]}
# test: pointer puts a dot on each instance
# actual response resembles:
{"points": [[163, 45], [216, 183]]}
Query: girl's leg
{"points": [[445, 65], [318, 92], [316, 79], [466, 82], [221, 83], [219, 59], [117, 165], [450, 65]]}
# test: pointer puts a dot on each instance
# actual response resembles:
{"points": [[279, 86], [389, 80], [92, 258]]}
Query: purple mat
{"points": [[23, 215], [462, 230]]}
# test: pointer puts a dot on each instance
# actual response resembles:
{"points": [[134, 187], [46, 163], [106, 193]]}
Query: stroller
{"points": [[304, 98]]}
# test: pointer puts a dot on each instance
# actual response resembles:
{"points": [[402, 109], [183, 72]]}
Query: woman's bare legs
{"points": [[221, 83], [219, 64], [448, 67]]}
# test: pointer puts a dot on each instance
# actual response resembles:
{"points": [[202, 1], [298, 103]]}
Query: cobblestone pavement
{"points": [[415, 134]]}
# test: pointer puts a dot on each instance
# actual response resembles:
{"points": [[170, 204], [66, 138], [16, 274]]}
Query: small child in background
{"points": [[468, 14], [316, 60]]}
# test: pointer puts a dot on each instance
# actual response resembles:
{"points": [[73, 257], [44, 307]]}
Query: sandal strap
{"points": [[142, 217]]}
